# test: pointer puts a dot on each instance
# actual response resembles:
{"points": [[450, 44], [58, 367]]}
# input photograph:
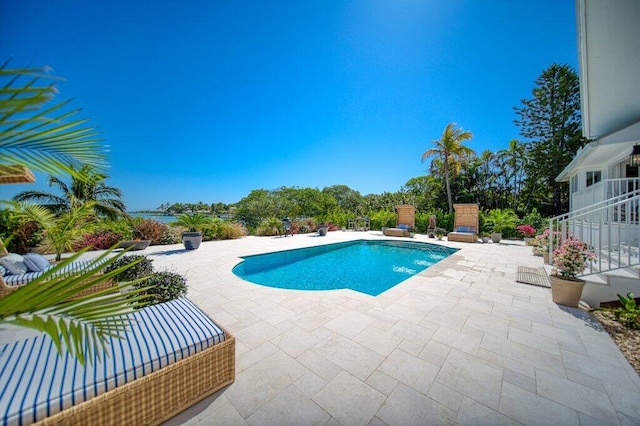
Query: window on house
{"points": [[574, 184], [593, 177]]}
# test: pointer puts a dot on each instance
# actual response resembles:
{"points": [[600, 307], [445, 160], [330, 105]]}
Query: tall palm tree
{"points": [[513, 158], [39, 137], [452, 153], [89, 187]]}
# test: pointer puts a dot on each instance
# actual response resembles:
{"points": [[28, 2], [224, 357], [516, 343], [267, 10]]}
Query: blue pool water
{"points": [[370, 267]]}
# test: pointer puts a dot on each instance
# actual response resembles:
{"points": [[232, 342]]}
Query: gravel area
{"points": [[627, 339]]}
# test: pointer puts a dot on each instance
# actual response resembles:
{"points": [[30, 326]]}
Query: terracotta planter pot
{"points": [[566, 292]]}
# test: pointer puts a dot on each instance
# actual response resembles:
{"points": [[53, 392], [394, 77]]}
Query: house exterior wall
{"points": [[609, 66]]}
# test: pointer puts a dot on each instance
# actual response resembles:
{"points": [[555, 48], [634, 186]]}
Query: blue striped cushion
{"points": [[35, 382], [20, 279], [3, 271]]}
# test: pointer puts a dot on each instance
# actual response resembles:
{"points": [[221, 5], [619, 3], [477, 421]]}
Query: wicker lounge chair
{"points": [[405, 222], [466, 223], [171, 357], [9, 283]]}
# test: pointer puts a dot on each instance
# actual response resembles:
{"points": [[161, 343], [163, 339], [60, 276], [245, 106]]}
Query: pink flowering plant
{"points": [[527, 231], [541, 241], [570, 258]]}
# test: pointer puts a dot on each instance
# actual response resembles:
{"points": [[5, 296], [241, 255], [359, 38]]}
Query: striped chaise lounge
{"points": [[171, 357], [10, 282]]}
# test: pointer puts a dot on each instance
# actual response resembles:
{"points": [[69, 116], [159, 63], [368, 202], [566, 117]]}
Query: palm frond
{"points": [[80, 325], [50, 140]]}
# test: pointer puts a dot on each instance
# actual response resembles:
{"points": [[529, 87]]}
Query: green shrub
{"points": [[382, 219], [171, 235], [304, 226], [270, 227], [629, 313], [139, 270], [122, 227], [501, 221], [230, 230], [510, 231], [422, 222], [163, 286], [536, 220]]}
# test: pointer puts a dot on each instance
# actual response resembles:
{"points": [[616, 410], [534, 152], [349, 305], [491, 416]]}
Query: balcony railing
{"points": [[610, 227], [603, 190]]}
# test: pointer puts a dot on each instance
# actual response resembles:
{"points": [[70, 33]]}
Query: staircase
{"points": [[612, 229]]}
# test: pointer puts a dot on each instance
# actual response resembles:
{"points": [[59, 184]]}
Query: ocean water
{"points": [[370, 267], [159, 218]]}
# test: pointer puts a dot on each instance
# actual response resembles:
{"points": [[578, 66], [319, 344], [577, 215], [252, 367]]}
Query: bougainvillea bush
{"points": [[527, 231]]}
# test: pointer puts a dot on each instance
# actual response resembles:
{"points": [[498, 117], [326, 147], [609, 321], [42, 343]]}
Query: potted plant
{"points": [[499, 219], [527, 232], [485, 237], [439, 233], [432, 226], [194, 223], [569, 259], [322, 229], [541, 244]]}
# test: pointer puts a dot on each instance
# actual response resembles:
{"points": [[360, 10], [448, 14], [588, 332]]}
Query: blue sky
{"points": [[207, 100]]}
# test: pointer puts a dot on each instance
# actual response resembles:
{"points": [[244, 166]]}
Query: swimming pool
{"points": [[367, 266]]}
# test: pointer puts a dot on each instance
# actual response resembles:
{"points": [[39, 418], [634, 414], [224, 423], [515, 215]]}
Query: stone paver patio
{"points": [[460, 343]]}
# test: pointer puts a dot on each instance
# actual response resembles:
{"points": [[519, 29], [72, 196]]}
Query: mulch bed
{"points": [[627, 339]]}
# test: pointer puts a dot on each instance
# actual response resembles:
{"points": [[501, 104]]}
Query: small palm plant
{"points": [[61, 231], [194, 222]]}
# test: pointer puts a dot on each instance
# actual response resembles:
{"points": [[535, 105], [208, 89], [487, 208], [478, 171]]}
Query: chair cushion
{"points": [[14, 263], [402, 226], [36, 262], [3, 271], [36, 382], [466, 229], [27, 277]]}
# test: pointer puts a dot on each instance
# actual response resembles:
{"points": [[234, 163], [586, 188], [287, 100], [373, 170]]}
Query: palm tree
{"points": [[452, 154], [89, 187], [40, 137], [513, 158], [61, 230]]}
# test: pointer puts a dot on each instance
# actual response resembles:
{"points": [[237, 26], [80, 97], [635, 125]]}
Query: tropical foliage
{"points": [[49, 138], [87, 186], [551, 120], [80, 324], [37, 134], [451, 155]]}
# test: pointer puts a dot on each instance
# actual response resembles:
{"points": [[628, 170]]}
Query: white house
{"points": [[604, 185]]}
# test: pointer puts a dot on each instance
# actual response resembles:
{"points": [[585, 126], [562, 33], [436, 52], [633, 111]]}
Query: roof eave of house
{"points": [[582, 154]]}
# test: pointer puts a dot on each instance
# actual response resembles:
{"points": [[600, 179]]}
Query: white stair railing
{"points": [[611, 228]]}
